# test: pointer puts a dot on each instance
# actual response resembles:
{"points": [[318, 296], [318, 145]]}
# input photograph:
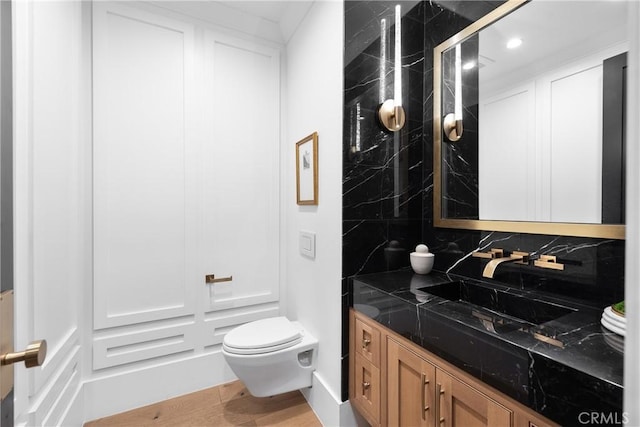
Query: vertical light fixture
{"points": [[356, 144], [383, 59], [391, 113], [452, 125]]}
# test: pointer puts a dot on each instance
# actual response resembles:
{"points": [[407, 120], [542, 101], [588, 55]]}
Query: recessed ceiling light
{"points": [[514, 43], [469, 65]]}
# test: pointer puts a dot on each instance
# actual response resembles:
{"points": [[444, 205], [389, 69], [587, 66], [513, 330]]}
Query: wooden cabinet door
{"points": [[366, 389], [460, 405], [411, 388]]}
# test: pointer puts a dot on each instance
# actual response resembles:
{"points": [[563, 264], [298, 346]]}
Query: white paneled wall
{"points": [[150, 143], [314, 289], [548, 134], [185, 184], [147, 156], [575, 99], [240, 165], [144, 191], [507, 176]]}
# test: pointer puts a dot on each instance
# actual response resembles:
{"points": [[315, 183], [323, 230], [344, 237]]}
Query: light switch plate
{"points": [[307, 243]]}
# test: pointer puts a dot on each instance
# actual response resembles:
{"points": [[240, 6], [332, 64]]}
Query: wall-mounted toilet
{"points": [[271, 356]]}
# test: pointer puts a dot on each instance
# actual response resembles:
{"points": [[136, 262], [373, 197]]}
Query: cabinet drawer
{"points": [[367, 341], [367, 389]]}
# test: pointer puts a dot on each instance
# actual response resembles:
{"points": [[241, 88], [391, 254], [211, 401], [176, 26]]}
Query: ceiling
{"points": [[273, 20], [274, 11]]}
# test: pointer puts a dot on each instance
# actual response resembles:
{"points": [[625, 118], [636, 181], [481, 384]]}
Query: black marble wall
{"points": [[388, 177]]}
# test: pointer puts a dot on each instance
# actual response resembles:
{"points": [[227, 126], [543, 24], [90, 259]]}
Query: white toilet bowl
{"points": [[271, 356]]}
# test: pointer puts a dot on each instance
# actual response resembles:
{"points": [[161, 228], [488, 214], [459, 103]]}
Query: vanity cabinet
{"points": [[366, 343], [394, 382]]}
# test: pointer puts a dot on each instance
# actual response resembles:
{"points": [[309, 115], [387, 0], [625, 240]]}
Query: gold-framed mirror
{"points": [[504, 159]]}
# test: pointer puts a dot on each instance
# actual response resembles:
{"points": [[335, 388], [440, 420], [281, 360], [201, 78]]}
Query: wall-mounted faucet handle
{"points": [[491, 254], [548, 261], [521, 257]]}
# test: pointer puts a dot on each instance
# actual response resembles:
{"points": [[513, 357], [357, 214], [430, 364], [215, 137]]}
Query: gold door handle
{"points": [[365, 343], [211, 278], [33, 356]]}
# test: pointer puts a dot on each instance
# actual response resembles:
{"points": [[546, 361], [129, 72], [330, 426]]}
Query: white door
{"points": [[49, 213], [6, 208]]}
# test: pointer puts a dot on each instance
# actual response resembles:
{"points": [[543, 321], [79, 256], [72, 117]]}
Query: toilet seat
{"points": [[262, 336]]}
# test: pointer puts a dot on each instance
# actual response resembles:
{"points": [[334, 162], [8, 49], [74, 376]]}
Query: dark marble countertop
{"points": [[560, 361]]}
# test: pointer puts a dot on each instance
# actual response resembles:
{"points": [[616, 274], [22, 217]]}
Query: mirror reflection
{"points": [[542, 94]]}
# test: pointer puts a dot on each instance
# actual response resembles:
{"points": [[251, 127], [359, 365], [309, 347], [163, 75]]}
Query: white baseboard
{"points": [[119, 392], [111, 394], [328, 407]]}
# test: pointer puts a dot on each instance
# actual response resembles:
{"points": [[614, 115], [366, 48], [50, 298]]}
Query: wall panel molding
{"points": [[143, 345], [56, 396], [216, 325], [57, 356], [244, 131], [144, 198]]}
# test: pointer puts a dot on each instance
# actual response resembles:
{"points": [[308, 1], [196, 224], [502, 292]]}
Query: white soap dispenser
{"points": [[421, 259]]}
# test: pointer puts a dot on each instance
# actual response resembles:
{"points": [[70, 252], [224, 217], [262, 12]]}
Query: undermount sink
{"points": [[500, 302]]}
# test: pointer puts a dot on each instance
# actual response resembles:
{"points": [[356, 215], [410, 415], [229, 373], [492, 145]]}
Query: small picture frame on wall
{"points": [[307, 170]]}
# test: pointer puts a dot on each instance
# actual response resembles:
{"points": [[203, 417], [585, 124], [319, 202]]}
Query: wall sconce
{"points": [[356, 117], [390, 113], [452, 124]]}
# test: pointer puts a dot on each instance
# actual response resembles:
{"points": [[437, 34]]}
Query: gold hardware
{"points": [[365, 386], [211, 278], [439, 392], [493, 253], [34, 355], [391, 116], [548, 261], [515, 257], [365, 343], [425, 381], [452, 128]]}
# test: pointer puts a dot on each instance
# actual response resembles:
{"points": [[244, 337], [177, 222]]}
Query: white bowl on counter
{"points": [[422, 263]]}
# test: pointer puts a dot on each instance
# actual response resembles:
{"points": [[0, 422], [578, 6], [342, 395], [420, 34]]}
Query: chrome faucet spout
{"points": [[490, 268]]}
